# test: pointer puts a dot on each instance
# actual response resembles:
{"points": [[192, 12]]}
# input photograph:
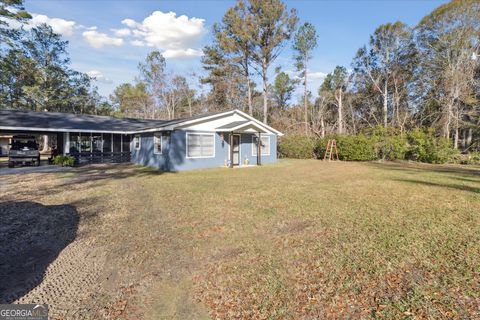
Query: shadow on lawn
{"points": [[443, 185], [81, 178], [467, 175], [90, 173], [423, 167], [31, 237]]}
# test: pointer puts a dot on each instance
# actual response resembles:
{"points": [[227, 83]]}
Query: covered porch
{"points": [[86, 147], [88, 138], [234, 131], [95, 147]]}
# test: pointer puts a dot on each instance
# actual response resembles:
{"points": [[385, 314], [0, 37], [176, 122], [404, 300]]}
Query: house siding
{"points": [[173, 156], [246, 150]]}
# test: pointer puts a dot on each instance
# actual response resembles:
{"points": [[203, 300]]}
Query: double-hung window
{"points": [[200, 145], [137, 142], [157, 143], [265, 145]]}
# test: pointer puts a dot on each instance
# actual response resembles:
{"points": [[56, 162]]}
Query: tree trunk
{"points": [[265, 91], [305, 98], [339, 97], [396, 110], [353, 118], [455, 142], [463, 141], [322, 127], [385, 105], [249, 91], [469, 138], [448, 121]]}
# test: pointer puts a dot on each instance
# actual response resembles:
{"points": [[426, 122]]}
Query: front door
{"points": [[236, 149]]}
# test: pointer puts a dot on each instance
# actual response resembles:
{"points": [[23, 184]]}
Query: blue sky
{"points": [[109, 38]]}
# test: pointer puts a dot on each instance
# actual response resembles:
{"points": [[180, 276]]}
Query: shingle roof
{"points": [[12, 118], [232, 125]]}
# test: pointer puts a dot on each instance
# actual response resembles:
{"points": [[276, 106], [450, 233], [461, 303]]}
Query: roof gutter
{"points": [[64, 130]]}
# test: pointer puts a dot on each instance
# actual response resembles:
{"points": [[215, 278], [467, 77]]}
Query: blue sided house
{"points": [[223, 139]]}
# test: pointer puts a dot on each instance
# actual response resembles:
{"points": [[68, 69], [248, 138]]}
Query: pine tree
{"points": [[304, 43]]}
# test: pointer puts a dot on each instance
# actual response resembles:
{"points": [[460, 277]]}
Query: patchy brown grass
{"points": [[295, 240]]}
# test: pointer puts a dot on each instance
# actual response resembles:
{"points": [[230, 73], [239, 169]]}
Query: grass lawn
{"points": [[301, 239]]}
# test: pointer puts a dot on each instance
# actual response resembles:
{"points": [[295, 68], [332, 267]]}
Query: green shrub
{"points": [[296, 146], [418, 144], [423, 146], [350, 148], [69, 161], [377, 143], [58, 160], [390, 143], [392, 147], [64, 161], [472, 158], [356, 148], [321, 146], [442, 151]]}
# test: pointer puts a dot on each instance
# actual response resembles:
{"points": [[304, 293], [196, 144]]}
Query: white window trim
{"points": [[203, 134], [139, 141], [254, 148], [155, 136]]}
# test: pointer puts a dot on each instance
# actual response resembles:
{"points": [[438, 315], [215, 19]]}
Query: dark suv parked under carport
{"points": [[23, 150]]}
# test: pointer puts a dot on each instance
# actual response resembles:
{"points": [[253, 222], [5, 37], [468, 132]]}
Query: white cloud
{"points": [[316, 75], [182, 53], [98, 76], [81, 26], [61, 26], [138, 43], [121, 32], [312, 75], [97, 39], [176, 36], [130, 23]]}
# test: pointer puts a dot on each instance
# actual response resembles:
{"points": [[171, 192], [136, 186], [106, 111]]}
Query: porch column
{"points": [[66, 143], [91, 147], [259, 149], [231, 149]]}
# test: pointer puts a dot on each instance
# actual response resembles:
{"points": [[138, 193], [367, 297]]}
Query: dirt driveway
{"points": [[68, 239]]}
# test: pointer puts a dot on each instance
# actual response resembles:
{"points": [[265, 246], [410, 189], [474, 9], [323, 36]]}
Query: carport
{"points": [[89, 138]]}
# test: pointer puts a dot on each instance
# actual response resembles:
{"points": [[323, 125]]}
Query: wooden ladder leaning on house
{"points": [[331, 152]]}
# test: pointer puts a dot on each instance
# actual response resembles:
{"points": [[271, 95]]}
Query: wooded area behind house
{"points": [[404, 78]]}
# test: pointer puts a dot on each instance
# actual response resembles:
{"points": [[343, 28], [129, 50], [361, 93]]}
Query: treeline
{"points": [[426, 76], [405, 77], [422, 145], [35, 69], [157, 93]]}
